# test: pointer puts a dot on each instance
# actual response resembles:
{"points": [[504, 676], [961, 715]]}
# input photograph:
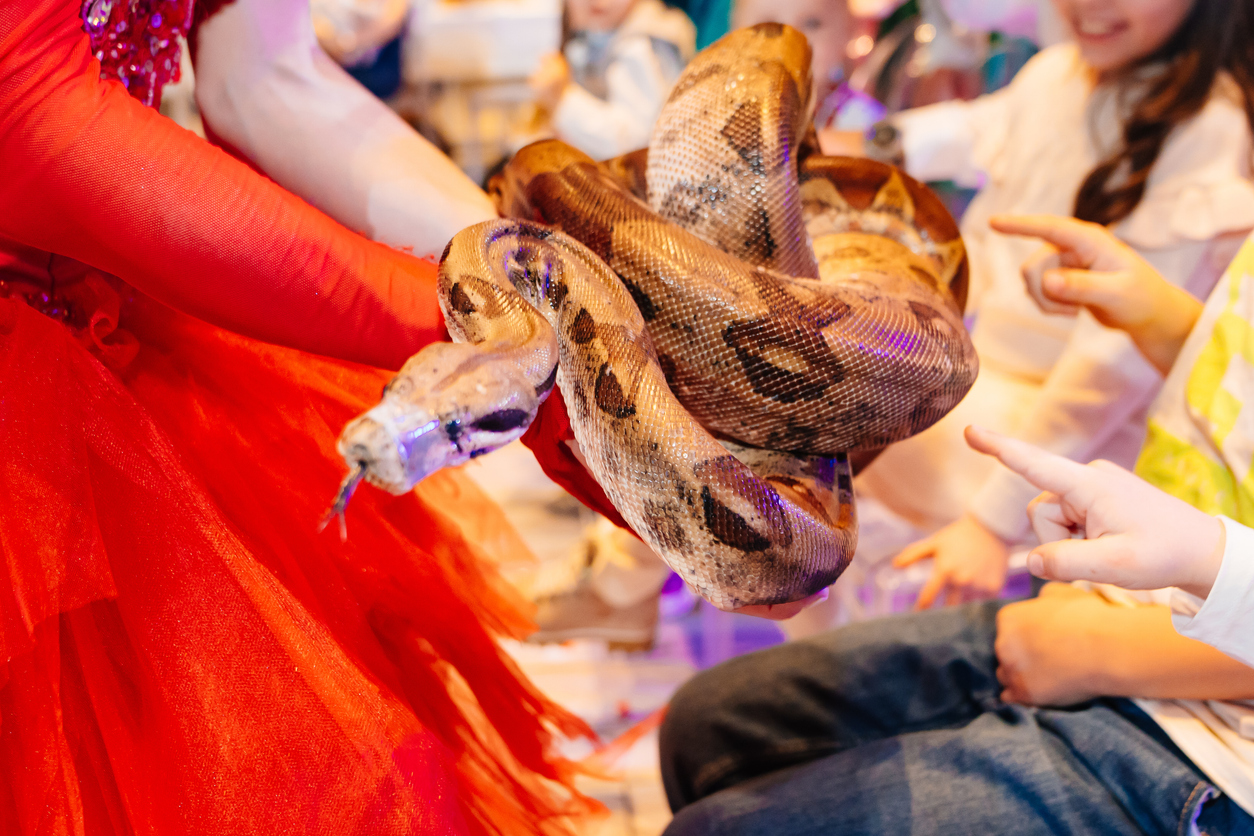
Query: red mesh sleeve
{"points": [[88, 172]]}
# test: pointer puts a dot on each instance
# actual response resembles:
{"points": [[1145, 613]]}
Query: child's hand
{"points": [[1135, 535], [1055, 649], [550, 81], [968, 563], [1084, 265]]}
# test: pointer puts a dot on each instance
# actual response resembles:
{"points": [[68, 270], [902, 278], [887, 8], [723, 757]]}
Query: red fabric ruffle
{"points": [[183, 653]]}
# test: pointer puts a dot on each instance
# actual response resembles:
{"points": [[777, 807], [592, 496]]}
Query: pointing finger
{"points": [[1044, 470], [913, 553], [1104, 560], [1083, 239]]}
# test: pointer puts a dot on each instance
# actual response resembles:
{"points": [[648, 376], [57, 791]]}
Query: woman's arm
{"points": [[88, 172], [265, 86]]}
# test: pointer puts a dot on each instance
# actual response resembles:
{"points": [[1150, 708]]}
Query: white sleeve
{"points": [[1225, 620], [265, 86], [1099, 384], [949, 141], [637, 87]]}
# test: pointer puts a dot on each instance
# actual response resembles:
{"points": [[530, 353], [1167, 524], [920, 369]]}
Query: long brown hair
{"points": [[1215, 36]]}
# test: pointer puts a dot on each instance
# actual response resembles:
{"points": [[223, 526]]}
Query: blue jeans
{"points": [[895, 727]]}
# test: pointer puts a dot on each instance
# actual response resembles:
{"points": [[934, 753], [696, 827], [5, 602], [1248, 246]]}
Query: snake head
{"points": [[445, 407]]}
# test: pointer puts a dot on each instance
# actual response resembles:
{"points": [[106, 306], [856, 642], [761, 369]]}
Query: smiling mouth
{"points": [[1098, 29]]}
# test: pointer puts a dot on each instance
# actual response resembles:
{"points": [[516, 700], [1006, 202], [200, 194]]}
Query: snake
{"points": [[728, 315]]}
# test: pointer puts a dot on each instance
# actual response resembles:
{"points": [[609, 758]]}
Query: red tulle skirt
{"points": [[182, 653]]}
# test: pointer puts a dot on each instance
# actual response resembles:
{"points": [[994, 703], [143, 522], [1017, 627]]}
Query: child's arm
{"points": [[1087, 266], [1134, 535], [1069, 645], [637, 87]]}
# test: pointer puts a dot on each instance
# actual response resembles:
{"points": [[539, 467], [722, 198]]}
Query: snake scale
{"points": [[720, 348]]}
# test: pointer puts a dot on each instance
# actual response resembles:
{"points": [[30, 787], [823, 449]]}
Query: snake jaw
{"points": [[444, 408], [398, 444]]}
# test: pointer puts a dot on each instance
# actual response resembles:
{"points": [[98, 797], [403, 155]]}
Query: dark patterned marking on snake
{"points": [[667, 364], [503, 420], [759, 240], [751, 339], [925, 314], [858, 414], [549, 382], [453, 429], [685, 492], [691, 80], [459, 301], [725, 470], [743, 132], [728, 527], [609, 394], [926, 276], [557, 293], [642, 300], [583, 330], [825, 312], [666, 523]]}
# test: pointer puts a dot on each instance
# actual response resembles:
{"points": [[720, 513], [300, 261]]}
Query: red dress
{"points": [[180, 650]]}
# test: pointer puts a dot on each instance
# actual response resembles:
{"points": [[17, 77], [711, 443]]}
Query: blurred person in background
{"points": [[363, 37], [833, 31], [1141, 123], [604, 91]]}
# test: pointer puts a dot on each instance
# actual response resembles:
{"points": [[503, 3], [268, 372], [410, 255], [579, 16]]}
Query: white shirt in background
{"points": [[628, 74], [1066, 384]]}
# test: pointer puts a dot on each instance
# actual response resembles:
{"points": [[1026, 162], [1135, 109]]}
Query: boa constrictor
{"points": [[720, 349]]}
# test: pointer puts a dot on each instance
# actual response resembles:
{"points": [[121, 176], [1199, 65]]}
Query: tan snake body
{"points": [[712, 396]]}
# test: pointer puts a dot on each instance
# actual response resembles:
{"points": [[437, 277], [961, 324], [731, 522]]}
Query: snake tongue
{"points": [[398, 445]]}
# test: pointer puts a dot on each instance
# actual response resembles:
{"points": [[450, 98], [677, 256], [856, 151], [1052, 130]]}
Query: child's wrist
{"points": [[1203, 566]]}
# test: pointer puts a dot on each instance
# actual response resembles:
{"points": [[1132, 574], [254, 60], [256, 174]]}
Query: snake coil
{"points": [[721, 348]]}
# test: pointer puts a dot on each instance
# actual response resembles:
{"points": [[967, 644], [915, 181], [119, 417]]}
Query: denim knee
{"points": [[728, 714], [687, 734]]}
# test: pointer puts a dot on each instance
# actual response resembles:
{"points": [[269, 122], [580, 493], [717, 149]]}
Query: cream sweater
{"points": [[1064, 383]]}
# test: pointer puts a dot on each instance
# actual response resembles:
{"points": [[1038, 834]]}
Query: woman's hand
{"points": [[1084, 265], [1134, 535], [968, 563], [550, 81]]}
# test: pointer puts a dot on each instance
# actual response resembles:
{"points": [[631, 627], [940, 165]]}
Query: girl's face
{"points": [[597, 15], [1113, 34], [827, 24]]}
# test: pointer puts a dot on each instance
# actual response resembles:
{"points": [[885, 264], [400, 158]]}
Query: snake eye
{"points": [[503, 420]]}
